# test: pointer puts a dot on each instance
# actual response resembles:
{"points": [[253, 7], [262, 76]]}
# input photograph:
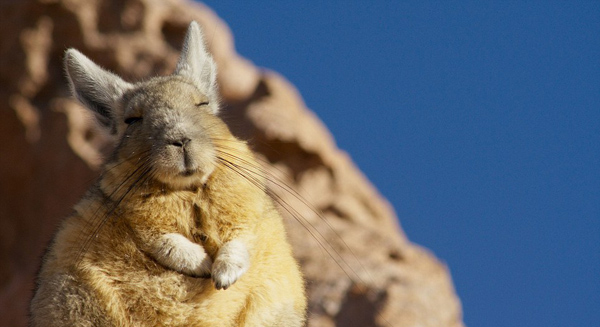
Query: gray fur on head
{"points": [[100, 90]]}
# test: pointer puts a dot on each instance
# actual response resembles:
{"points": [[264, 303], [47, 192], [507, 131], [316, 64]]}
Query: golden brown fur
{"points": [[176, 232]]}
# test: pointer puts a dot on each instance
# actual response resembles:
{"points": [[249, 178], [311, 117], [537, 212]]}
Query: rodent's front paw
{"points": [[231, 263], [176, 252]]}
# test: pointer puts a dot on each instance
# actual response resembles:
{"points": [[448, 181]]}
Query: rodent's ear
{"points": [[94, 87], [197, 64]]}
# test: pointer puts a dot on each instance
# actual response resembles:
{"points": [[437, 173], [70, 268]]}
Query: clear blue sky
{"points": [[479, 121]]}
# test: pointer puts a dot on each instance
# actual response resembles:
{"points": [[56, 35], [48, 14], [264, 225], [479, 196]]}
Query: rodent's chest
{"points": [[162, 214], [190, 215], [205, 217], [208, 227], [217, 220]]}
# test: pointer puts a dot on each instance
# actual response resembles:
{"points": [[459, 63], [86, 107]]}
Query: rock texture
{"points": [[51, 152]]}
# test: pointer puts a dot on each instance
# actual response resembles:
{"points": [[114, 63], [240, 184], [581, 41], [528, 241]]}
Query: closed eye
{"points": [[132, 120], [202, 104]]}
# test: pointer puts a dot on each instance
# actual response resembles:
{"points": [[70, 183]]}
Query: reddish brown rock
{"points": [[51, 151]]}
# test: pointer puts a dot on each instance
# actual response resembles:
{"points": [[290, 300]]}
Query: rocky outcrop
{"points": [[51, 151]]}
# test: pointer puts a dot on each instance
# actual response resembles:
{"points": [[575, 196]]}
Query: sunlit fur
{"points": [[179, 229]]}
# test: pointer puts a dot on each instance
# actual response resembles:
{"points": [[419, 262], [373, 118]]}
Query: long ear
{"points": [[197, 64], [94, 87]]}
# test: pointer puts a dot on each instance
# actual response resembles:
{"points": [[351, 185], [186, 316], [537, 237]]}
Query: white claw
{"points": [[176, 252], [231, 263]]}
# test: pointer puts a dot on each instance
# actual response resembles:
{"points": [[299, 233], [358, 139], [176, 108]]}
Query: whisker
{"points": [[321, 239], [144, 169], [316, 234], [284, 186]]}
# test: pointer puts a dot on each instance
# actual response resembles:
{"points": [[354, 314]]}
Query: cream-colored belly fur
{"points": [[115, 282]]}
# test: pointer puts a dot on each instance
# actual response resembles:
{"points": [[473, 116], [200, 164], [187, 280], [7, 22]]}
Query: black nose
{"points": [[181, 142]]}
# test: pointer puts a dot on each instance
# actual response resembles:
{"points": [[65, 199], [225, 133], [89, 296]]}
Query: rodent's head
{"points": [[166, 125]]}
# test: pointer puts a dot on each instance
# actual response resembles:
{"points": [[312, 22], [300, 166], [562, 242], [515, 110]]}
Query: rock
{"points": [[51, 152]]}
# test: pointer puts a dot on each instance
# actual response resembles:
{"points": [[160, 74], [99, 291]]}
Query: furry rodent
{"points": [[175, 232]]}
